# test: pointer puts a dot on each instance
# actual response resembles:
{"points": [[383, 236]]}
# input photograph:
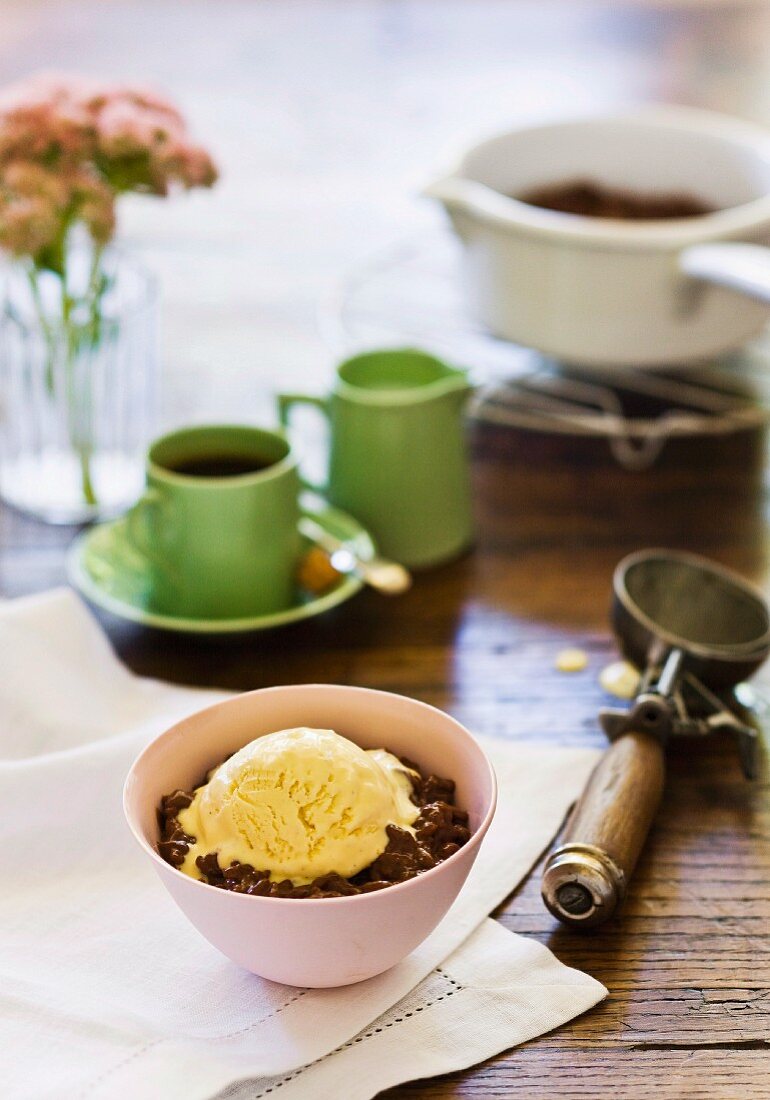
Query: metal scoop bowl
{"points": [[696, 629]]}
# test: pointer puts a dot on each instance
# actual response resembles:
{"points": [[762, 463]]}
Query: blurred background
{"points": [[328, 117]]}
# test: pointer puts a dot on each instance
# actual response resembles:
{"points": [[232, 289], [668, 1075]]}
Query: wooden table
{"points": [[688, 965]]}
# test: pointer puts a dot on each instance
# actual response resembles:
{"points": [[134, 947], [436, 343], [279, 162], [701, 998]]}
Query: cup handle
{"points": [[137, 519], [286, 401]]}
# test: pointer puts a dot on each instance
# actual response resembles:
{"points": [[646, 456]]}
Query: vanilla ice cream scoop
{"points": [[299, 803]]}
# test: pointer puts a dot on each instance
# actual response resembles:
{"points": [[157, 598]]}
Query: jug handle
{"points": [[286, 402]]}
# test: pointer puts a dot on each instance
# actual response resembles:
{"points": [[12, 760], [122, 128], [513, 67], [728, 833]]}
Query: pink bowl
{"points": [[328, 941]]}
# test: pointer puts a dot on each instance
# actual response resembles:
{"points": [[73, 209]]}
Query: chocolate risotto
{"points": [[594, 200], [440, 830]]}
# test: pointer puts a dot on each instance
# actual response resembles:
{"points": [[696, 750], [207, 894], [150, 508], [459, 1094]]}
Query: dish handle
{"points": [[733, 264]]}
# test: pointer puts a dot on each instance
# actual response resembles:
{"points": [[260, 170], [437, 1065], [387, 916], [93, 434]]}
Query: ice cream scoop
{"points": [[299, 803]]}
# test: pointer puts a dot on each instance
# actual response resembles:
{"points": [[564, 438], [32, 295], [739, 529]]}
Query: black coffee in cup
{"points": [[218, 465]]}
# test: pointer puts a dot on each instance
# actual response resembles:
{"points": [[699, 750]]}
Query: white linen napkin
{"points": [[107, 992]]}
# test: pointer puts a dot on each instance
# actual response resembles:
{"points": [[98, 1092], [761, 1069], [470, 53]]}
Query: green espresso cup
{"points": [[217, 525], [398, 460]]}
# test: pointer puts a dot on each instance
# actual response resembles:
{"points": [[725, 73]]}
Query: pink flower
{"points": [[35, 204], [70, 145], [184, 164], [31, 201], [198, 169], [28, 224], [124, 129], [151, 100], [28, 178], [40, 120], [96, 206]]}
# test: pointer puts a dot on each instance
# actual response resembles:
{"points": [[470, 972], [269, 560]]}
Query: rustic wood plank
{"points": [[720, 1074]]}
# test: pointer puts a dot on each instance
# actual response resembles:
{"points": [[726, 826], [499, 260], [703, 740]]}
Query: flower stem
{"points": [[70, 341], [48, 336], [89, 495], [78, 398]]}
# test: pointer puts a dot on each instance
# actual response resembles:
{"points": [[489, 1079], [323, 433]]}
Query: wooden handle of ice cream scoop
{"points": [[586, 876]]}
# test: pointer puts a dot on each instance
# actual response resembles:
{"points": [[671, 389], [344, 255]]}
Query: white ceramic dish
{"points": [[610, 292]]}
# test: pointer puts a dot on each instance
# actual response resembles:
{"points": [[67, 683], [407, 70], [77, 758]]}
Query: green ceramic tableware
{"points": [[104, 566], [398, 458], [217, 526]]}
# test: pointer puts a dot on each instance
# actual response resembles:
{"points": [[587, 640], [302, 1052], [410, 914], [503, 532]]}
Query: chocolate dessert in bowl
{"points": [[314, 834]]}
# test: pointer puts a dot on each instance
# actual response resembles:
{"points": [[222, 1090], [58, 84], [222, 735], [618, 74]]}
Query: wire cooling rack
{"points": [[411, 294]]}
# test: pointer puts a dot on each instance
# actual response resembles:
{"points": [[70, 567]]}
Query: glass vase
{"points": [[78, 390]]}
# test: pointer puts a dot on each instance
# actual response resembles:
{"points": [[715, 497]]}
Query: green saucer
{"points": [[108, 571]]}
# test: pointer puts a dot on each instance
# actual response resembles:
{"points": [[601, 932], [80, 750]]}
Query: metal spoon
{"points": [[387, 577]]}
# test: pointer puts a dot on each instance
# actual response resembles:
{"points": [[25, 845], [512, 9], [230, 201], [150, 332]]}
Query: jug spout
{"points": [[453, 192], [462, 196], [459, 385], [456, 385]]}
